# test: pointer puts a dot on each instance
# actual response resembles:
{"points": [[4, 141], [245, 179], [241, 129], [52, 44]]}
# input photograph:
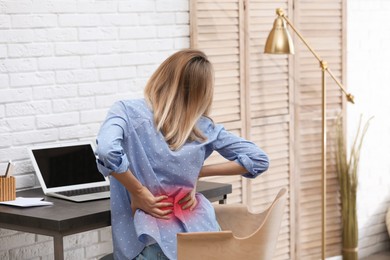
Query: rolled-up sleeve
{"points": [[110, 156], [243, 152]]}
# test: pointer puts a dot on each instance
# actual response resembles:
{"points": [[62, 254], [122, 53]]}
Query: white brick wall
{"points": [[368, 79], [62, 64]]}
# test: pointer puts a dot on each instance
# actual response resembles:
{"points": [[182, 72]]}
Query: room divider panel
{"points": [[275, 101]]}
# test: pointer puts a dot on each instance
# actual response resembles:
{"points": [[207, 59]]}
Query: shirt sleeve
{"points": [[242, 151], [110, 156]]}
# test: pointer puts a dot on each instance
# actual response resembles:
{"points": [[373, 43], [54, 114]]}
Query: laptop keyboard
{"points": [[70, 193]]}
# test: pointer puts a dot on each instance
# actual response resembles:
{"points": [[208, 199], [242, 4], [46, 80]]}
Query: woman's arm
{"points": [[228, 168], [112, 160], [239, 151], [142, 198]]}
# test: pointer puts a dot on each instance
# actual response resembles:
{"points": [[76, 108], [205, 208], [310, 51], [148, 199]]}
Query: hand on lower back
{"points": [[189, 201], [144, 200]]}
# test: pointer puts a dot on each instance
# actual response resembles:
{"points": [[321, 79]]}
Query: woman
{"points": [[154, 149]]}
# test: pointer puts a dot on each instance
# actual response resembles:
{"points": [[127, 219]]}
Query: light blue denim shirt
{"points": [[129, 140]]}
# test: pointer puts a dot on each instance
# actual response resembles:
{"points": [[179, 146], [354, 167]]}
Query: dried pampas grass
{"points": [[347, 169]]}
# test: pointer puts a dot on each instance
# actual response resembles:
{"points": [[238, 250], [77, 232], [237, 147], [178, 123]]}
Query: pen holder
{"points": [[7, 188]]}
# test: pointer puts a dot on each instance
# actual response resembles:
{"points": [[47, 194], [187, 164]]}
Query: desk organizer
{"points": [[7, 188]]}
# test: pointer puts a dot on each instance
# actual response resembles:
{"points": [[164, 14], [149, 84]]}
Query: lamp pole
{"points": [[323, 65], [279, 43]]}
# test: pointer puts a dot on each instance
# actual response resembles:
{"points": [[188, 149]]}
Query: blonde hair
{"points": [[180, 91]]}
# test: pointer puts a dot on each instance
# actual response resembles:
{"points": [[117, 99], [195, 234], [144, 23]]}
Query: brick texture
{"points": [[62, 65]]}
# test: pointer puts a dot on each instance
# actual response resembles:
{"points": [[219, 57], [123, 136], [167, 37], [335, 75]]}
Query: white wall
{"points": [[62, 64], [368, 55]]}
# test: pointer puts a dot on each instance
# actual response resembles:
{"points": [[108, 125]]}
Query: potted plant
{"points": [[347, 168]]}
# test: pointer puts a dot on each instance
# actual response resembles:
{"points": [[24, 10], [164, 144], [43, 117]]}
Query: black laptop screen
{"points": [[68, 165]]}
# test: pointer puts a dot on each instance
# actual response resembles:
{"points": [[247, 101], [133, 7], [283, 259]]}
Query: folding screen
{"points": [[275, 101]]}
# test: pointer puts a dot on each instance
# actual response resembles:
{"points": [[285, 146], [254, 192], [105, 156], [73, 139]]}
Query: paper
{"points": [[26, 202]]}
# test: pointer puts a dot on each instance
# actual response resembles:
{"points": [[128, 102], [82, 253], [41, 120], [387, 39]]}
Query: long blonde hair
{"points": [[180, 91]]}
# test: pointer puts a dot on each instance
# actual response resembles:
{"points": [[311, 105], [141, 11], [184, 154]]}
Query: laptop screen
{"points": [[67, 165]]}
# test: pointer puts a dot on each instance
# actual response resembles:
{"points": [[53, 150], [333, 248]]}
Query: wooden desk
{"points": [[66, 217]]}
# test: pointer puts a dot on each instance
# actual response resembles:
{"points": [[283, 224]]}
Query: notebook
{"points": [[69, 171]]}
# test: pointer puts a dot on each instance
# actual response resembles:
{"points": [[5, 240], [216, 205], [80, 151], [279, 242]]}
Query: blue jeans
{"points": [[152, 252]]}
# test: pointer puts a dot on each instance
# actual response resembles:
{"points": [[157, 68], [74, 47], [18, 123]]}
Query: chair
{"points": [[244, 235]]}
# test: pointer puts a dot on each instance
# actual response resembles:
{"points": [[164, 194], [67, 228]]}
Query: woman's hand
{"points": [[144, 200], [189, 200]]}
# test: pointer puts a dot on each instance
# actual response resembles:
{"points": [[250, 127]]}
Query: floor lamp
{"points": [[279, 42]]}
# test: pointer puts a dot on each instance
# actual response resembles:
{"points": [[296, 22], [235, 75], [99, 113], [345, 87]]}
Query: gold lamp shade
{"points": [[279, 40]]}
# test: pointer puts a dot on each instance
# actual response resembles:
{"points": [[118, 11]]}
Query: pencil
{"points": [[9, 169]]}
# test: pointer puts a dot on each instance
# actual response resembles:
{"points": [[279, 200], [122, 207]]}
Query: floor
{"points": [[379, 256]]}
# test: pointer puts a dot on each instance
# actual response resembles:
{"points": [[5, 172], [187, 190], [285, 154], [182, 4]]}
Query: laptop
{"points": [[69, 171]]}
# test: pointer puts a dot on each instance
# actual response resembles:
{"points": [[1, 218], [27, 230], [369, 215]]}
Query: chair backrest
{"points": [[245, 235], [266, 236]]}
